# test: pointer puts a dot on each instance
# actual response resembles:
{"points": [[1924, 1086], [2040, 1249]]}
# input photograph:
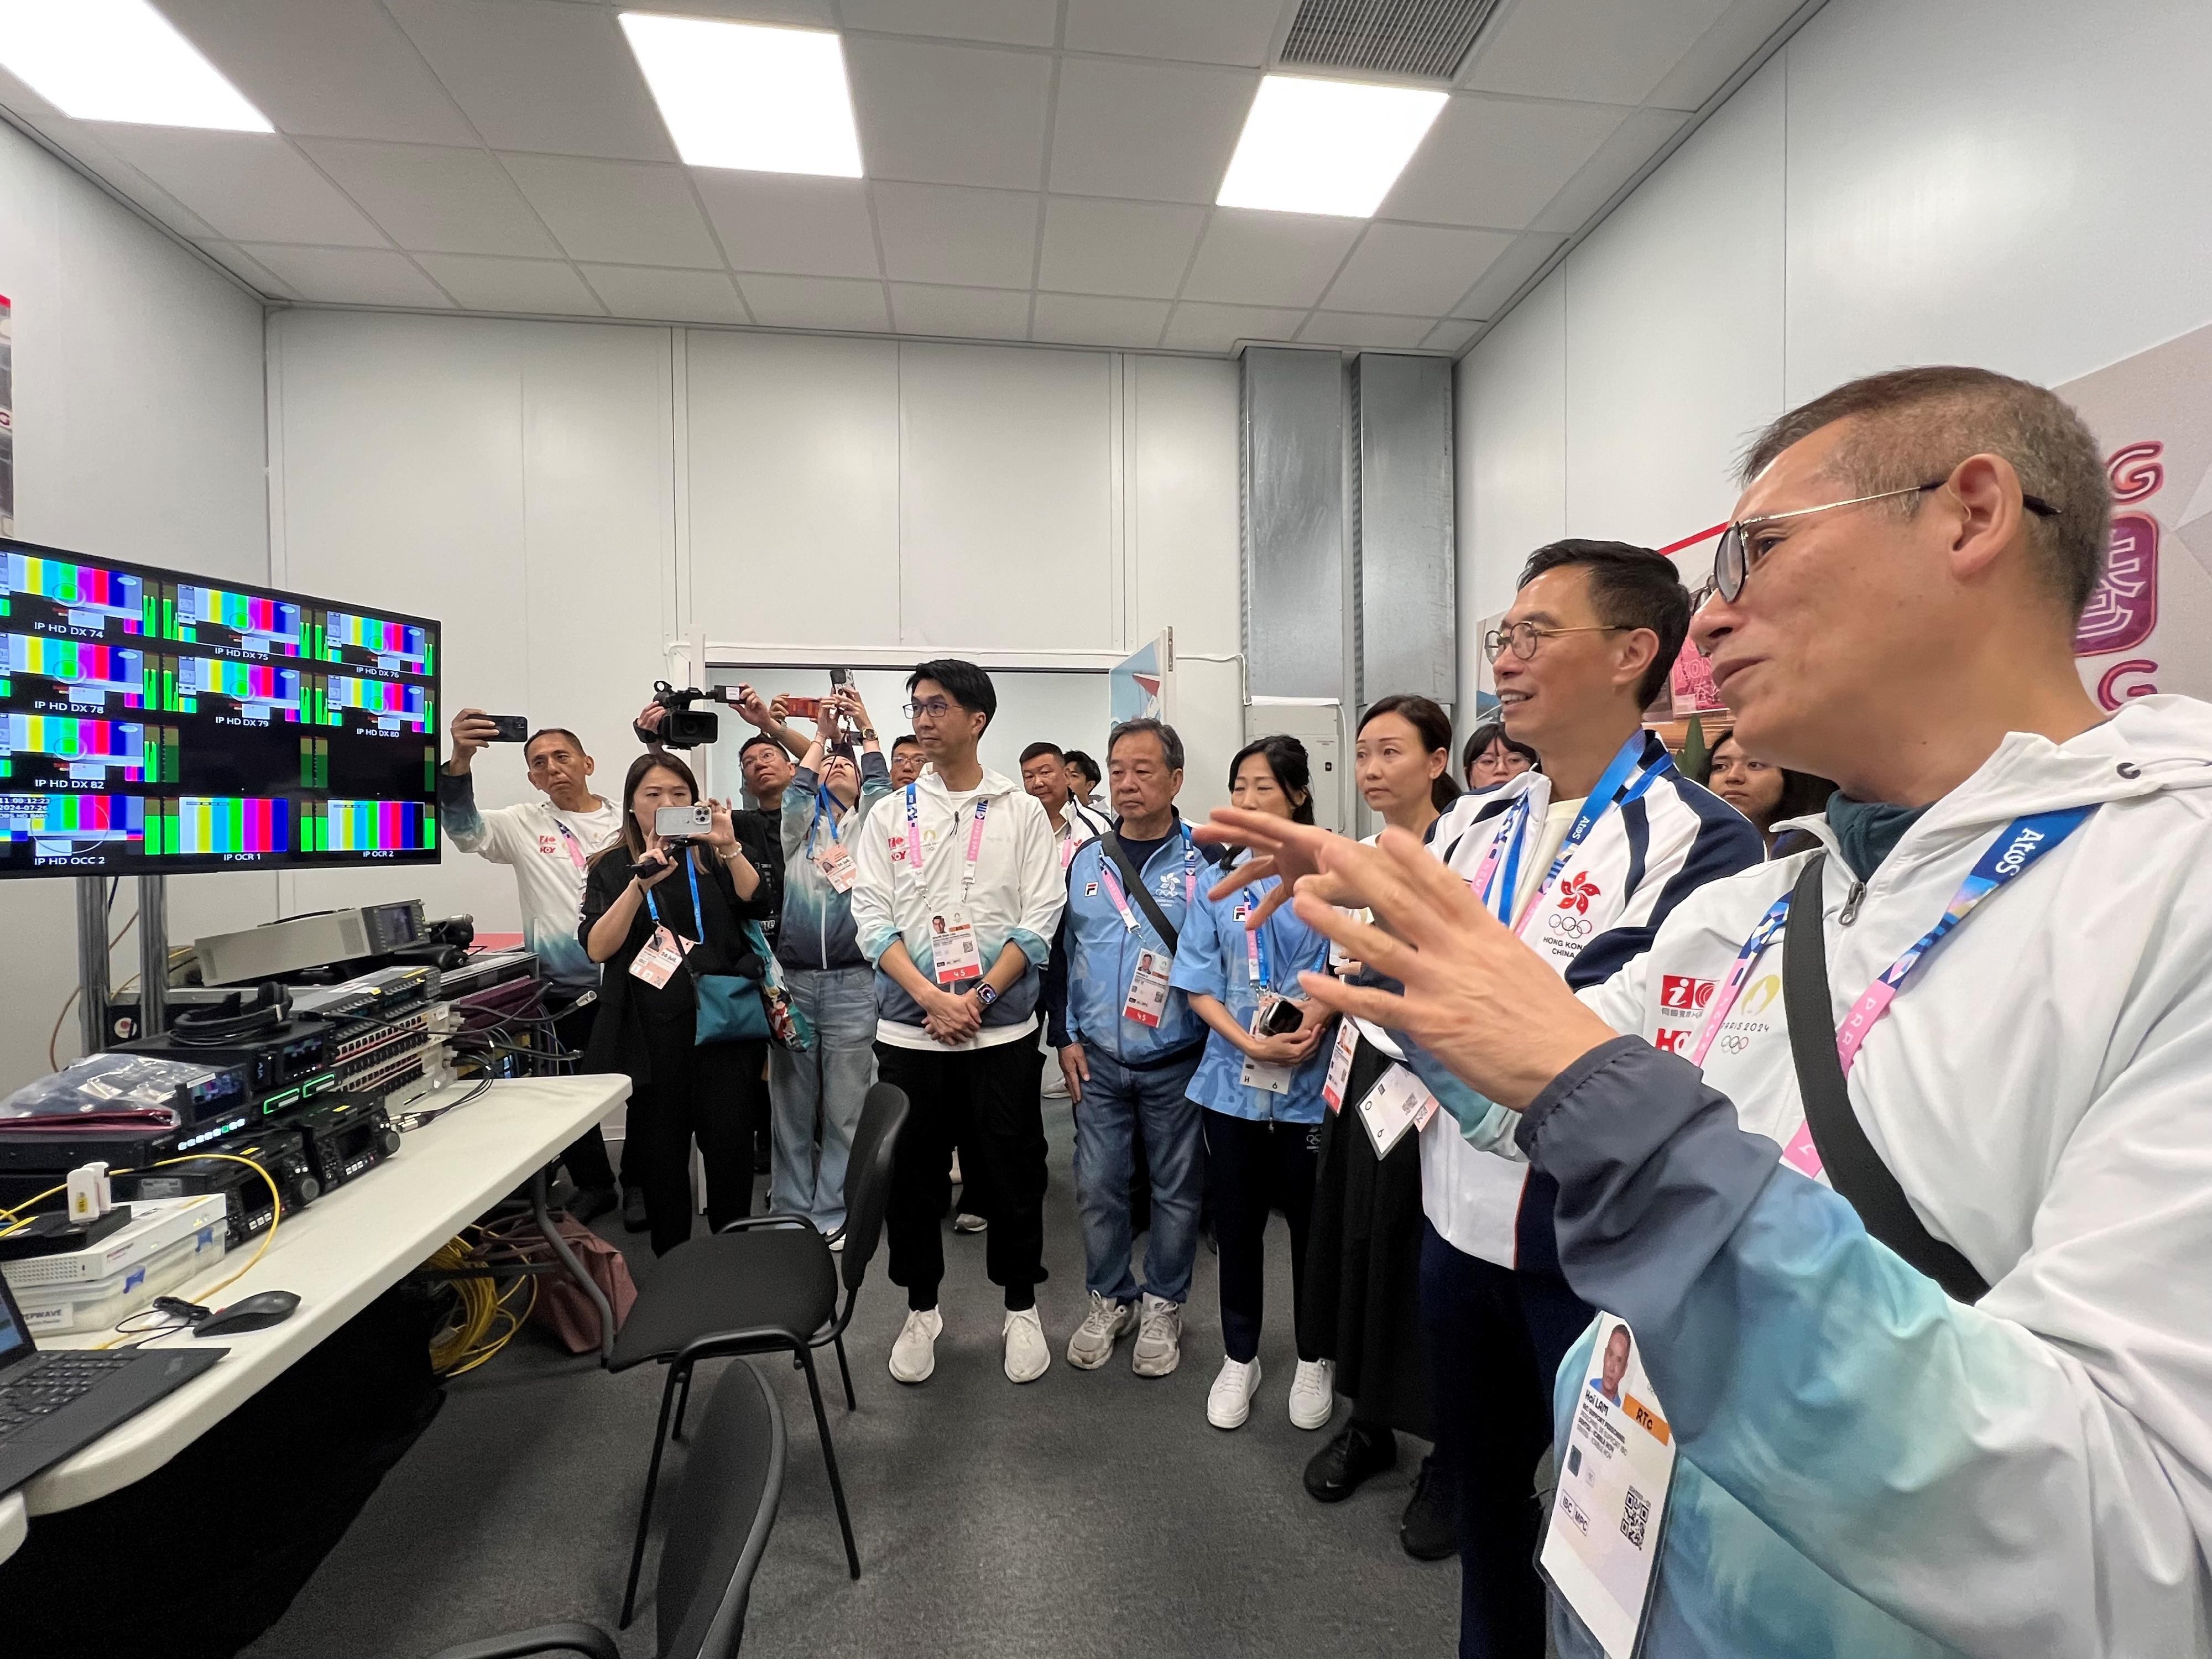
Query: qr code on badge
{"points": [[1635, 1517]]}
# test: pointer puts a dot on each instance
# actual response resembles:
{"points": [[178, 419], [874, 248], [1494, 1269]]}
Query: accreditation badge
{"points": [[1147, 1000], [1601, 1552], [1340, 1064]]}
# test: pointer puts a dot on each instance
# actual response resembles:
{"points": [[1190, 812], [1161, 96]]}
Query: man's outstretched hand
{"points": [[1476, 998], [1278, 847]]}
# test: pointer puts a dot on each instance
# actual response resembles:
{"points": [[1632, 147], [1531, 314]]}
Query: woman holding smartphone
{"points": [[1259, 1088], [652, 932]]}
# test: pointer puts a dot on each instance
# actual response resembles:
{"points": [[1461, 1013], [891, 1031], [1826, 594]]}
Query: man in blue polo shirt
{"points": [[1128, 1043]]}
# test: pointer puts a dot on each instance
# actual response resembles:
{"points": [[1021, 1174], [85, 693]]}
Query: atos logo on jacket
{"points": [[1576, 894], [1680, 994]]}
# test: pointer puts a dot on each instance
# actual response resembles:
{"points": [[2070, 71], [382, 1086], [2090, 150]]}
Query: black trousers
{"points": [[1005, 1145], [716, 1096], [1495, 1340], [1253, 1167], [587, 1155]]}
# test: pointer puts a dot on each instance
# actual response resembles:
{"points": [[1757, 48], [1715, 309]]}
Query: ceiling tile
{"points": [[350, 276], [1609, 52], [1344, 328], [1633, 144], [816, 303], [434, 199], [1014, 22], [482, 283], [1199, 327], [629, 213], [251, 186], [1155, 131], [1450, 335], [537, 76], [1095, 246], [1196, 31], [1256, 259], [337, 69], [782, 221], [803, 14], [1503, 280], [949, 115], [667, 296], [1498, 161], [941, 234], [1724, 48], [242, 265], [1086, 319], [968, 314], [1414, 271]]}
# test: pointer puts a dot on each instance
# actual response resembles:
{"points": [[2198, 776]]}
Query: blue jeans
{"points": [[1114, 1102], [826, 1086]]}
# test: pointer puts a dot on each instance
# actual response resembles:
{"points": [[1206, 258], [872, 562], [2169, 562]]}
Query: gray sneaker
{"points": [[1092, 1345], [1159, 1348]]}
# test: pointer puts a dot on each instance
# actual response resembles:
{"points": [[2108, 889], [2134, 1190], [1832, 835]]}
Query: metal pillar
{"points": [[153, 954], [92, 962]]}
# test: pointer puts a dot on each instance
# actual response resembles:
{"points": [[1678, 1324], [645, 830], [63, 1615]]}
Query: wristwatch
{"points": [[986, 993], [867, 734]]}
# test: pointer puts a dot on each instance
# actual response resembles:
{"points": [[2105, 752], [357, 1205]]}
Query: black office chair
{"points": [[724, 1510], [764, 1285]]}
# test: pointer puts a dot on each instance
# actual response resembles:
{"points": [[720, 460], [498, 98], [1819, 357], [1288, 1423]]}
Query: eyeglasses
{"points": [[1525, 637], [936, 707], [1742, 548]]}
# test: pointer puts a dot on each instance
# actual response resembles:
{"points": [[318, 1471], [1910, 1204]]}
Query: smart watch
{"points": [[986, 993]]}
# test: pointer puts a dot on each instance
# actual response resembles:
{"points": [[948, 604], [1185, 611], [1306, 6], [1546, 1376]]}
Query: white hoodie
{"points": [[2030, 1475]]}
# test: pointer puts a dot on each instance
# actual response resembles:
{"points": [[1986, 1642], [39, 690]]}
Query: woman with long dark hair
{"points": [[1258, 1087], [1766, 794], [652, 934], [1362, 1301]]}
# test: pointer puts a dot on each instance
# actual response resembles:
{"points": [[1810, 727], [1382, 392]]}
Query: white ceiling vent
{"points": [[1429, 38]]}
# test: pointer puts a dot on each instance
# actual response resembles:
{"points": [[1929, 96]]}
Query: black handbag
{"points": [[1854, 1168]]}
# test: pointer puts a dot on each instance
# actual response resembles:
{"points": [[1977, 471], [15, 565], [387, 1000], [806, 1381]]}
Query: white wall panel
{"points": [[1007, 498], [138, 435], [792, 459], [1675, 330]]}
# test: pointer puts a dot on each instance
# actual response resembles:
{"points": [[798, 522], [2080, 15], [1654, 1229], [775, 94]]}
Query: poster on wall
{"points": [[2147, 625], [6, 416], [1143, 687]]}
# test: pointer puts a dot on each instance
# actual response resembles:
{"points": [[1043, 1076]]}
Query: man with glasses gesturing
{"points": [[1917, 1262]]}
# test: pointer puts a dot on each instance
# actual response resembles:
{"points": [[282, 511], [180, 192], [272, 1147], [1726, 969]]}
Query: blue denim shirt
{"points": [[1215, 960], [1101, 951]]}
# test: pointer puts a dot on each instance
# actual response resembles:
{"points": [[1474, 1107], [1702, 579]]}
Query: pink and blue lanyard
{"points": [[575, 846], [1507, 843], [914, 840], [1111, 880], [2020, 843], [1256, 951]]}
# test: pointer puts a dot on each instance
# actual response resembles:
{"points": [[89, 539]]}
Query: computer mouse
{"points": [[253, 1313]]}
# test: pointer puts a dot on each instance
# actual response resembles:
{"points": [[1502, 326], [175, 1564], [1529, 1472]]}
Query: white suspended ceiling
{"points": [[1037, 170]]}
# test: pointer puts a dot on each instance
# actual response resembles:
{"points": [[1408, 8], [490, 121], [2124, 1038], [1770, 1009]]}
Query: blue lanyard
{"points": [[1606, 793], [822, 802], [698, 916], [1262, 973]]}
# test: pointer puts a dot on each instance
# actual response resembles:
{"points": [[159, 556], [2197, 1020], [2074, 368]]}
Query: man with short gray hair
{"points": [[1129, 1042]]}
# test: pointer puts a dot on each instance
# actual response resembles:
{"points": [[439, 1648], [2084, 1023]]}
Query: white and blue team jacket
{"points": [[1639, 861]]}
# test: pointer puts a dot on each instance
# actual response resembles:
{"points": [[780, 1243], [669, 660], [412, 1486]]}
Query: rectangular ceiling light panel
{"points": [[118, 60], [1334, 147], [748, 95]]}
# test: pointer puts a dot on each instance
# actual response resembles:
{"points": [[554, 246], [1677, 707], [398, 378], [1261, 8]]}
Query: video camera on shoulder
{"points": [[683, 726]]}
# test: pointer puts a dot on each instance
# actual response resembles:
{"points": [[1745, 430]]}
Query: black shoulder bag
{"points": [[1134, 879], [1854, 1168]]}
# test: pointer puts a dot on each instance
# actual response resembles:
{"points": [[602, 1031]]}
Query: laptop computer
{"points": [[57, 1403]]}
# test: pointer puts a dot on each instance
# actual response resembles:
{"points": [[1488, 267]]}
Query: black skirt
{"points": [[1363, 1289]]}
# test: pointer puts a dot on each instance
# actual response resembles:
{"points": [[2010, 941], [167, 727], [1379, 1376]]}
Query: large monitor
{"points": [[153, 722]]}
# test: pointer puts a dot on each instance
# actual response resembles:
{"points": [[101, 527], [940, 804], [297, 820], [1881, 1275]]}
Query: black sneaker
{"points": [[588, 1204], [635, 1218], [1338, 1468], [1427, 1530]]}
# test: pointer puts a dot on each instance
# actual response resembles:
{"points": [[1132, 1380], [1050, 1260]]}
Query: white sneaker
{"points": [[1313, 1394], [955, 1169], [1092, 1345], [968, 1222], [1229, 1402], [913, 1356], [1159, 1347], [1028, 1355]]}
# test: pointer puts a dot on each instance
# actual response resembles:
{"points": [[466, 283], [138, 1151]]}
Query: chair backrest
{"points": [[868, 1177], [718, 1524]]}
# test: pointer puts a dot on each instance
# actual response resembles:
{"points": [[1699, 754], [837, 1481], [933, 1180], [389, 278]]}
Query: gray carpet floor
{"points": [[1085, 1514]]}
